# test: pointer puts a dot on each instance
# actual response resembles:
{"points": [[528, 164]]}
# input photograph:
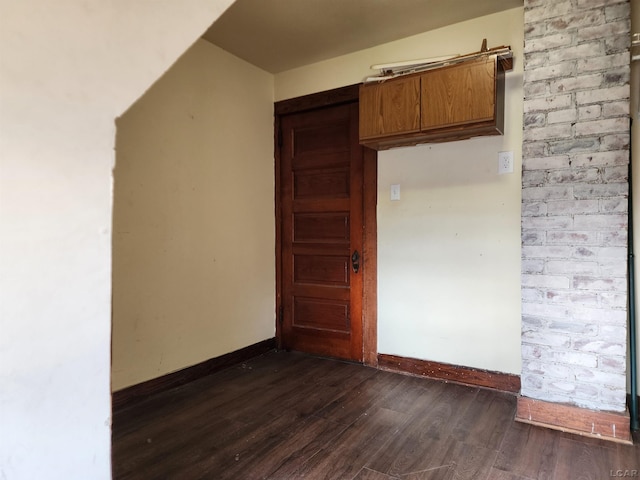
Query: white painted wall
{"points": [[193, 226], [448, 285], [66, 71], [449, 250]]}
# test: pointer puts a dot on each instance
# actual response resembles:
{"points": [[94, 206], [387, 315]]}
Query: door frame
{"points": [[329, 98]]}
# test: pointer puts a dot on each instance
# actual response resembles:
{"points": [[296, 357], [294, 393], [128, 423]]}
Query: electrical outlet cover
{"points": [[505, 162]]}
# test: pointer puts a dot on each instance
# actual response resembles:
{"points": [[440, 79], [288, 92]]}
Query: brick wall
{"points": [[574, 202]]}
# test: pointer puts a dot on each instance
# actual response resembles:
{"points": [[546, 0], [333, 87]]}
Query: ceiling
{"points": [[278, 35]]}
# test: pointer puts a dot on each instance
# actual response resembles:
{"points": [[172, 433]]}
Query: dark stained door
{"points": [[322, 228]]}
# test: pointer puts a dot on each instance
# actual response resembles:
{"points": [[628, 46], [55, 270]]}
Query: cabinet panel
{"points": [[390, 108], [460, 94], [449, 103]]}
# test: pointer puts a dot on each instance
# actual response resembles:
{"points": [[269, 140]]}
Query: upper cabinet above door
{"points": [[390, 108], [449, 103]]}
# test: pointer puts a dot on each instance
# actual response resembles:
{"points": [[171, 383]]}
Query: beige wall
{"points": [[449, 250], [193, 227], [66, 71]]}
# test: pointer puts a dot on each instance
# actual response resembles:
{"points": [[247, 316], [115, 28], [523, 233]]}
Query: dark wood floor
{"points": [[287, 416]]}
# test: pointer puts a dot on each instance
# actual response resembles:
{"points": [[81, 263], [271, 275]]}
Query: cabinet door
{"points": [[390, 108], [460, 94]]}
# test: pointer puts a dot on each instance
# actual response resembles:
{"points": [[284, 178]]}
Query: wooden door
{"points": [[321, 186]]}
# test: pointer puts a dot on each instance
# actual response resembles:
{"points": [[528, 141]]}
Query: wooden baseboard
{"points": [[569, 418], [504, 382], [135, 393]]}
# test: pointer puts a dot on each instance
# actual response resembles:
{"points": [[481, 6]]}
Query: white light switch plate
{"points": [[395, 192]]}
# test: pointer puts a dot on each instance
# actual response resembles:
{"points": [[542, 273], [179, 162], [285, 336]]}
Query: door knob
{"points": [[355, 261]]}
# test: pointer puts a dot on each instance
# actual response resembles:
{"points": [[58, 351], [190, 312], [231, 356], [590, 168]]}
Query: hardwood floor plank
{"points": [[214, 391], [470, 461], [444, 406], [415, 392], [319, 386], [343, 374], [251, 408], [587, 462], [446, 472], [412, 449], [285, 457], [528, 451], [626, 457], [487, 419], [495, 474], [207, 457], [366, 474], [434, 414], [174, 446], [308, 400], [247, 453], [354, 447], [167, 404], [409, 451], [347, 408], [284, 416]]}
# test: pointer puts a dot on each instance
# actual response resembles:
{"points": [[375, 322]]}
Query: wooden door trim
{"points": [[370, 256], [329, 98], [348, 94]]}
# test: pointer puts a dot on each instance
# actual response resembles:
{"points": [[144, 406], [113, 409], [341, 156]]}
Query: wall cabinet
{"points": [[454, 102]]}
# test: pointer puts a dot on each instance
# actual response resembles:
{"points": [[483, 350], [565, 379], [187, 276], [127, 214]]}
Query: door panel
{"points": [[324, 314], [318, 269], [321, 228], [322, 225], [320, 183], [311, 141]]}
